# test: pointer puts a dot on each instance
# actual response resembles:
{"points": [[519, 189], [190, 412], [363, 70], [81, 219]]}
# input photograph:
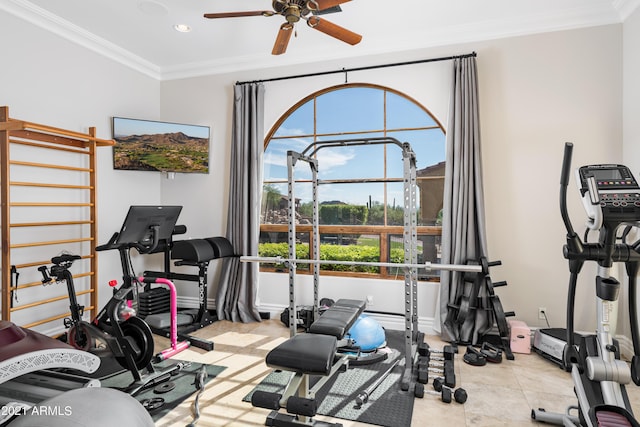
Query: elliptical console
{"points": [[608, 191]]}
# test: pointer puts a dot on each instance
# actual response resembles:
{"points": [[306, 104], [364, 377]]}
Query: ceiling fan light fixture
{"points": [[182, 28], [292, 14]]}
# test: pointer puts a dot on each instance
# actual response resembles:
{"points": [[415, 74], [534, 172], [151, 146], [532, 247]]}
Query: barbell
{"points": [[470, 268]]}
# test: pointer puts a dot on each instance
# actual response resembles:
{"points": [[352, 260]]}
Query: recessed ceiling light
{"points": [[183, 28]]}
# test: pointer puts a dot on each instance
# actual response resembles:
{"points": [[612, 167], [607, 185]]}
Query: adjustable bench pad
{"points": [[314, 352], [339, 318], [304, 353]]}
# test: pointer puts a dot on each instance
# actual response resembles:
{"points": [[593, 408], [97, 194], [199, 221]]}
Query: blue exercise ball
{"points": [[367, 334]]}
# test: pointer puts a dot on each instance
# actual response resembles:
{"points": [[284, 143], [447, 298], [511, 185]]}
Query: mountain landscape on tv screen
{"points": [[167, 152]]}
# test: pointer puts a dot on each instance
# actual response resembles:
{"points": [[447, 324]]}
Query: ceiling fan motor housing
{"points": [[291, 10]]}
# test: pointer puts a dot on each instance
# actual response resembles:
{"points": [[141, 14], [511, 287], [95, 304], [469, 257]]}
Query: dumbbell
{"points": [[447, 371], [447, 353], [460, 395]]}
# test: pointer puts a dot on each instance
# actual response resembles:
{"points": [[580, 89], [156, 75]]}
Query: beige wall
{"points": [[50, 80], [536, 93], [631, 108], [631, 94]]}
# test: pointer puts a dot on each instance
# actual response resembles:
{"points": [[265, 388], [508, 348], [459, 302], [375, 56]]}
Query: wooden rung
{"points": [[46, 185], [49, 166], [78, 147], [53, 242], [51, 223], [54, 318], [49, 300], [57, 131], [34, 284], [41, 204]]}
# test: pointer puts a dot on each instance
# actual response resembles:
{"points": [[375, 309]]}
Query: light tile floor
{"points": [[499, 394]]}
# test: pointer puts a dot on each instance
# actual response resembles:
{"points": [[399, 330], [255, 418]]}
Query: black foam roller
{"points": [[266, 400], [301, 406]]}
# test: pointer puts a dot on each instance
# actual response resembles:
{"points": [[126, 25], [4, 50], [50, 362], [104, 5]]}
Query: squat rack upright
{"points": [[410, 238]]}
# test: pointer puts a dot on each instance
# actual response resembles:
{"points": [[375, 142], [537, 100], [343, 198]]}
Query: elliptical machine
{"points": [[611, 198]]}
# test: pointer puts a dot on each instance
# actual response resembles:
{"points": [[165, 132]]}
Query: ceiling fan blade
{"points": [[324, 4], [282, 40], [334, 30], [238, 14]]}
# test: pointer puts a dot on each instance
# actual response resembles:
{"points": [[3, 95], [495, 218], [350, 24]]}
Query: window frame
{"points": [[383, 231]]}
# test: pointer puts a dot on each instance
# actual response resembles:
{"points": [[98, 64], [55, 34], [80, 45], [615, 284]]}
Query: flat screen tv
{"points": [[160, 146]]}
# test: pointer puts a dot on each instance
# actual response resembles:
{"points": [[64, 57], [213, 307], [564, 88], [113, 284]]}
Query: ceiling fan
{"points": [[294, 11]]}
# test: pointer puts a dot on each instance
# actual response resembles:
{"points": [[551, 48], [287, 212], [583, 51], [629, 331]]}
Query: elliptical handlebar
{"points": [[573, 240]]}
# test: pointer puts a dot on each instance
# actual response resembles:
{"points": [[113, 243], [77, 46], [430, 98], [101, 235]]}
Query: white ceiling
{"points": [[140, 34]]}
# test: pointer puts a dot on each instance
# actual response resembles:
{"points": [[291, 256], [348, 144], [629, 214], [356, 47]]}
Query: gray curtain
{"points": [[463, 222], [238, 287]]}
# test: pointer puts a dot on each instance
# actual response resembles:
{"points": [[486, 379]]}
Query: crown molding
{"points": [[478, 31], [625, 7], [41, 18]]}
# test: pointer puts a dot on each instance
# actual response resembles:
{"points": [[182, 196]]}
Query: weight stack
{"points": [[153, 301]]}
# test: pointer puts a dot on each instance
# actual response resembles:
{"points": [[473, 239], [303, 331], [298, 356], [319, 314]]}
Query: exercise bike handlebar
{"points": [[142, 248]]}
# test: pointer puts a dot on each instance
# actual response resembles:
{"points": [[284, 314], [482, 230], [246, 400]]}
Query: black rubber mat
{"points": [[388, 405], [181, 385]]}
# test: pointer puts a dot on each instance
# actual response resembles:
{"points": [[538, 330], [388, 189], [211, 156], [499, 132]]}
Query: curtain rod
{"points": [[371, 67]]}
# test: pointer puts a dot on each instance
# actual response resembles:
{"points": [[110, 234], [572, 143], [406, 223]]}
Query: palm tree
{"points": [[271, 199]]}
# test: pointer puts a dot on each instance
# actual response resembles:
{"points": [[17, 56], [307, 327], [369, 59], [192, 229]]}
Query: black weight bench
{"points": [[198, 253], [313, 353]]}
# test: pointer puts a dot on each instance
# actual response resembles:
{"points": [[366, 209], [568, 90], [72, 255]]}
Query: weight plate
{"points": [[138, 333], [153, 403], [501, 318], [164, 387]]}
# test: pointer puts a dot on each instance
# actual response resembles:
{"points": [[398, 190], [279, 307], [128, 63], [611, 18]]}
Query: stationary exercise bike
{"points": [[127, 337], [611, 198]]}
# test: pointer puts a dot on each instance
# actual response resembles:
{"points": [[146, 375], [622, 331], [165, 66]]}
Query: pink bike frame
{"points": [[176, 347]]}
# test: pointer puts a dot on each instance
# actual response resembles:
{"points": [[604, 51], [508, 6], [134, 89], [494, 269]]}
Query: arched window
{"points": [[361, 190]]}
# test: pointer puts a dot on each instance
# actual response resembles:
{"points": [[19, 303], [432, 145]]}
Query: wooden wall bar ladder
{"points": [[56, 160]]}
